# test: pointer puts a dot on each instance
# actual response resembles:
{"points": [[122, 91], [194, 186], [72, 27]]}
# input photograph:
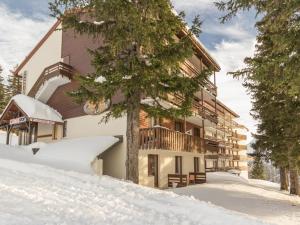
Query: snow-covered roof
{"points": [[36, 109]]}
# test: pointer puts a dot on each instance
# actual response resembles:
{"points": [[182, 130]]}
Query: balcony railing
{"points": [[205, 112], [236, 157], [165, 139], [56, 69], [207, 84]]}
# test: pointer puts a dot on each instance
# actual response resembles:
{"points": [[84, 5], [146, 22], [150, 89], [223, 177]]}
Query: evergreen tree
{"points": [[273, 78], [257, 170], [14, 86], [141, 57], [2, 92]]}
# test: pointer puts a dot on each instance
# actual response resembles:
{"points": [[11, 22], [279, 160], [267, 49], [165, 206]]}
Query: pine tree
{"points": [[141, 56], [3, 101], [272, 77], [14, 86], [257, 170]]}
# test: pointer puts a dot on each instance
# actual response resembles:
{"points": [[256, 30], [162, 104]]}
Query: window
{"points": [[178, 126], [196, 165], [196, 132], [178, 164]]}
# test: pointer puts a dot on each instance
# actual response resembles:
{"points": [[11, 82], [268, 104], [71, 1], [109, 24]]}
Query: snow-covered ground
{"points": [[260, 199], [33, 194]]}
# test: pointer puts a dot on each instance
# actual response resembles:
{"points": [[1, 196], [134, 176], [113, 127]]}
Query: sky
{"points": [[24, 22]]}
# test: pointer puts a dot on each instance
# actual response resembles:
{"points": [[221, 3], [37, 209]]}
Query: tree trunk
{"points": [[294, 181], [284, 183], [133, 126]]}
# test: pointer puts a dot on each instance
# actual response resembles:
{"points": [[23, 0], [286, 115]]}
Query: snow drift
{"points": [[35, 194], [69, 154]]}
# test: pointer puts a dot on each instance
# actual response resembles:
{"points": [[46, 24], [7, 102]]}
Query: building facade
{"points": [[172, 152]]}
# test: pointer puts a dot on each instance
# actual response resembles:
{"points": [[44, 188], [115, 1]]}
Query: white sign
{"points": [[18, 120]]}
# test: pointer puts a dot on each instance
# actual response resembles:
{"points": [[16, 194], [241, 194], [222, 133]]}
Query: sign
{"points": [[18, 120]]}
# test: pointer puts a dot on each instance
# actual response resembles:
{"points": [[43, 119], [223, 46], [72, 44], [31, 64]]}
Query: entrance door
{"points": [[153, 168]]}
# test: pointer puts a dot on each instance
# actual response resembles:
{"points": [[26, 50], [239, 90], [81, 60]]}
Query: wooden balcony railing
{"points": [[236, 157], [239, 147], [50, 72], [165, 139], [207, 84], [202, 110]]}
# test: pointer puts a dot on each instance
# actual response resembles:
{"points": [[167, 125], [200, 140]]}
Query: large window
{"points": [[178, 164], [196, 164]]}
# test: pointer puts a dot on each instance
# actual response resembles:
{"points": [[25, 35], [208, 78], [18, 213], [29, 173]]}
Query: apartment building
{"points": [[172, 152]]}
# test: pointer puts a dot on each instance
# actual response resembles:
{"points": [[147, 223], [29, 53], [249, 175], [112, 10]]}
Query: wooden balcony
{"points": [[239, 147], [211, 145], [202, 110], [236, 157], [207, 84], [165, 139], [57, 69]]}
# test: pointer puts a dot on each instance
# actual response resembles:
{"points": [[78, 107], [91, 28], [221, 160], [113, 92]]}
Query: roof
{"points": [[197, 43], [227, 109], [35, 109]]}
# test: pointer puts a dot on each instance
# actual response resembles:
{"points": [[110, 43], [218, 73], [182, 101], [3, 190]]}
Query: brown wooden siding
{"points": [[74, 50], [64, 104]]}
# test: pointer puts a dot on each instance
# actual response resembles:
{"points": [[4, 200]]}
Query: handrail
{"points": [[165, 139], [57, 68]]}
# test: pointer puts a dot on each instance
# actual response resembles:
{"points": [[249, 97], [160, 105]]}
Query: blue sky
{"points": [[24, 22]]}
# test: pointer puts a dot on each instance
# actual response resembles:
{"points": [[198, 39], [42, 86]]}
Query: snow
{"points": [[13, 138], [35, 194], [256, 198], [100, 79], [36, 109], [70, 154], [99, 23], [49, 87]]}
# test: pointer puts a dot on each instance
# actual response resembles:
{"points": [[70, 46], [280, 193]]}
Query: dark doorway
{"points": [[153, 168]]}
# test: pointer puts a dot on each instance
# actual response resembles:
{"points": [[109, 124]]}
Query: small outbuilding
{"points": [[31, 120]]}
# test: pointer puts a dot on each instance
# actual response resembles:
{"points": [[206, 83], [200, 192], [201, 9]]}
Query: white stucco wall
{"points": [[114, 159], [48, 54], [166, 165]]}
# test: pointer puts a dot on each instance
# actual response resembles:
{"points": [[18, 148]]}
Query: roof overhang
{"points": [[20, 111]]}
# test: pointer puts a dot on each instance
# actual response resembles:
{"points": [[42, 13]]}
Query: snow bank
{"points": [[33, 194], [70, 154], [36, 109], [75, 154]]}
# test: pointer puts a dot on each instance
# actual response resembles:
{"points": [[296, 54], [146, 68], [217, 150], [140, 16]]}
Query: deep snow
{"points": [[34, 194], [257, 198], [68, 154]]}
